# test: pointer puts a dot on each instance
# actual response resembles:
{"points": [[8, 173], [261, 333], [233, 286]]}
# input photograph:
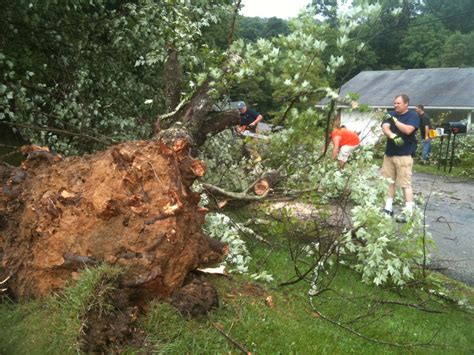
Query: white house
{"points": [[446, 93]]}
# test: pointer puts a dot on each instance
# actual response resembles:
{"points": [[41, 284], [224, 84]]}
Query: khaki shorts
{"points": [[345, 151], [399, 169]]}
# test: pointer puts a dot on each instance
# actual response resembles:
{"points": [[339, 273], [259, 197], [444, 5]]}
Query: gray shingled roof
{"points": [[433, 88]]}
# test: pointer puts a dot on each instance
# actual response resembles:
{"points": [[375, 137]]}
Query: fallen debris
{"points": [[2, 282], [195, 299], [238, 345], [220, 270], [269, 301]]}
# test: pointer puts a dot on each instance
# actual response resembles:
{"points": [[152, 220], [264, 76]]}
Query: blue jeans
{"points": [[426, 149]]}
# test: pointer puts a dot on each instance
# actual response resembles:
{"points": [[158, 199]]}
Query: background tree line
{"points": [[427, 34], [78, 75]]}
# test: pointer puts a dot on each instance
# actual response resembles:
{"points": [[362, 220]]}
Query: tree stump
{"points": [[267, 182]]}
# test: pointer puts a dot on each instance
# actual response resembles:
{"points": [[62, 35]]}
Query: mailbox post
{"points": [[452, 129]]}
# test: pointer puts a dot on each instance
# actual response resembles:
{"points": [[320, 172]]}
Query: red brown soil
{"points": [[130, 205]]}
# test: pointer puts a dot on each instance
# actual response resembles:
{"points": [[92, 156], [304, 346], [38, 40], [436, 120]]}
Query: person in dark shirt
{"points": [[425, 126], [249, 118], [400, 127]]}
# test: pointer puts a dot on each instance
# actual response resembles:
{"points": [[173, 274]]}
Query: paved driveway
{"points": [[450, 219]]}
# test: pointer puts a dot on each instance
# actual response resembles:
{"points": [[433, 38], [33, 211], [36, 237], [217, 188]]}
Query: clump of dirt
{"points": [[110, 330], [130, 205], [196, 298]]}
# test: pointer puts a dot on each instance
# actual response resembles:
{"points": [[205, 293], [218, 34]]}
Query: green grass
{"points": [[385, 317], [459, 170], [55, 325], [291, 326]]}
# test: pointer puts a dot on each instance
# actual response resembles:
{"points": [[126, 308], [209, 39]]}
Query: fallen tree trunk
{"points": [[130, 205], [261, 188]]}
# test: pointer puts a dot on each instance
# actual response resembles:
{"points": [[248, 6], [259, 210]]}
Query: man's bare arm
{"points": [[404, 128], [257, 120]]}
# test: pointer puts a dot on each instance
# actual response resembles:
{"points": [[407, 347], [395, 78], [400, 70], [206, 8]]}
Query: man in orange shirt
{"points": [[344, 142]]}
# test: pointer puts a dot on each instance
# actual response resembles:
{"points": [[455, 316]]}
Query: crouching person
{"points": [[344, 142]]}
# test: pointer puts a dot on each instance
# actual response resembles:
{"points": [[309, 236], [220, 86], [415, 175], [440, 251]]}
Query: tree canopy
{"points": [[86, 69], [79, 75]]}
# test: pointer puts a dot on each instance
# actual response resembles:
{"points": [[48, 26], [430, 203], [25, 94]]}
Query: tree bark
{"points": [[197, 117], [173, 80]]}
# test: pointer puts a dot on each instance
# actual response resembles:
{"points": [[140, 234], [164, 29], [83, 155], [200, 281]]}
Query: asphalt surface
{"points": [[450, 220]]}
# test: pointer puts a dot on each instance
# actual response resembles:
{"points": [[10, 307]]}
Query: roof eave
{"points": [[426, 107]]}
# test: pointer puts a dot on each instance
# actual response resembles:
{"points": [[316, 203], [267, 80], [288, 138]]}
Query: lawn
{"points": [[430, 315], [264, 318]]}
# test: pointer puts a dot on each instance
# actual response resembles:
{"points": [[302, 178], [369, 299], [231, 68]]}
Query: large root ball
{"points": [[130, 205]]}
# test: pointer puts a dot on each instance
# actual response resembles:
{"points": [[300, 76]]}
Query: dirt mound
{"points": [[196, 298], [113, 329], [129, 205]]}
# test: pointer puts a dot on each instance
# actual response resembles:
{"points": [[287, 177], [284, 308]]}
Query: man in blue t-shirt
{"points": [[400, 127], [249, 118]]}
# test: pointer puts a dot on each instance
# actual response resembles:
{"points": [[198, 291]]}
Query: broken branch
{"points": [[214, 190], [230, 339], [353, 331], [411, 305]]}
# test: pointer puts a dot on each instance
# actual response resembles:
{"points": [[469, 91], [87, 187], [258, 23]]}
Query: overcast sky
{"points": [[273, 8]]}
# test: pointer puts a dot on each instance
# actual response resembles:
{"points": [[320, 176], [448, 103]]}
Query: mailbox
{"points": [[455, 128]]}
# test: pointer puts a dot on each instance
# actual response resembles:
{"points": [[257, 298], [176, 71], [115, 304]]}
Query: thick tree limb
{"points": [[269, 177], [273, 176], [217, 191], [230, 36], [172, 79], [268, 180], [216, 122], [197, 114]]}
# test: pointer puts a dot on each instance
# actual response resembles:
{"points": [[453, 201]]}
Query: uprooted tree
{"points": [[130, 205]]}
